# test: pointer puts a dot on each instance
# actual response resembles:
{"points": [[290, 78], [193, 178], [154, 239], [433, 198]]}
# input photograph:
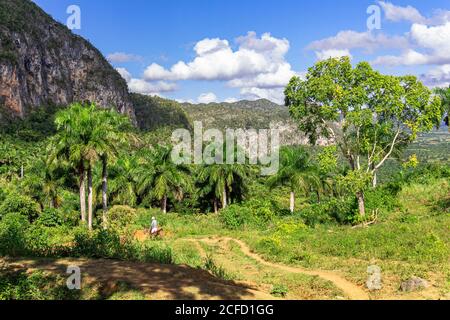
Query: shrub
{"points": [[13, 227], [253, 212], [120, 217], [108, 244], [46, 241], [15, 203], [235, 216], [380, 198], [334, 210], [50, 218]]}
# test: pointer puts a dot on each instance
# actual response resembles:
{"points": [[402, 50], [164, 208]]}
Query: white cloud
{"points": [[436, 38], [437, 77], [230, 100], [207, 98], [408, 58], [276, 95], [369, 41], [333, 53], [398, 13], [276, 79], [145, 87], [150, 88], [120, 57], [256, 66], [216, 60], [434, 41]]}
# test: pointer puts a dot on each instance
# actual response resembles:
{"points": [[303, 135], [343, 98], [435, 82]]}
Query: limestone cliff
{"points": [[42, 62]]}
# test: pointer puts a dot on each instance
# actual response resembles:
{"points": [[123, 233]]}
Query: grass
{"points": [[410, 241]]}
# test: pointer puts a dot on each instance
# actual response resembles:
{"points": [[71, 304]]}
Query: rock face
{"points": [[42, 62]]}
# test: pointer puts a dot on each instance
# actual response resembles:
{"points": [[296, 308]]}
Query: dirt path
{"points": [[154, 281], [351, 290]]}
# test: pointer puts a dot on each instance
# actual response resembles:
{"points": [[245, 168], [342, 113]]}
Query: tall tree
{"points": [[123, 182], [296, 172], [224, 182], [160, 177], [115, 130], [85, 134], [367, 114]]}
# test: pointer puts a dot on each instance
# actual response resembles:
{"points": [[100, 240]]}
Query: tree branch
{"points": [[389, 153]]}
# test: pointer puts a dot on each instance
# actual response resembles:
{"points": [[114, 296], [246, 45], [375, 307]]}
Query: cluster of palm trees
{"points": [[86, 135], [95, 144], [104, 156]]}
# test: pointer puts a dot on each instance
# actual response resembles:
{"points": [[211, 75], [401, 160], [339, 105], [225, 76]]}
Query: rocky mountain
{"points": [[43, 63], [153, 112], [259, 114]]}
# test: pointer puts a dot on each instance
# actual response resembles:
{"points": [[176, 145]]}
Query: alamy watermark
{"points": [[374, 19], [74, 280], [74, 20], [236, 146]]}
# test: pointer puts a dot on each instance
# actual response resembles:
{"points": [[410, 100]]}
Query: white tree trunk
{"points": [[82, 187], [90, 197], [292, 202], [224, 199], [105, 191]]}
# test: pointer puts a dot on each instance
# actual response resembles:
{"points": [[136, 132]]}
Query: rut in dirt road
{"points": [[351, 290]]}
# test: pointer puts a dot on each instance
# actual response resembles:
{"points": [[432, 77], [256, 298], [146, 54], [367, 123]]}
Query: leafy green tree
{"points": [[159, 177], [366, 114], [296, 172], [444, 93]]}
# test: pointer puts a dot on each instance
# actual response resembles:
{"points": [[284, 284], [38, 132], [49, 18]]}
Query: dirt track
{"points": [[351, 290]]}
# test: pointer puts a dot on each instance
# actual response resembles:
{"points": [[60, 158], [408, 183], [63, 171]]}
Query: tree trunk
{"points": [[374, 180], [90, 195], [292, 202], [164, 204], [361, 205], [224, 198], [105, 189], [21, 172], [215, 206], [82, 194]]}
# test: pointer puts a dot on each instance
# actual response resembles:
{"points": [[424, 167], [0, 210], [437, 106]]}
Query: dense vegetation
{"points": [[80, 181]]}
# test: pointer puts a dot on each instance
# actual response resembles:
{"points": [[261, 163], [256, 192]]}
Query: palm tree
{"points": [[115, 130], [160, 177], [224, 182], [123, 181], [70, 144], [296, 172], [83, 136], [44, 180]]}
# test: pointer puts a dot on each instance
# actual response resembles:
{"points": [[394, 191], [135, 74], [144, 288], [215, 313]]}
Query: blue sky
{"points": [[217, 50]]}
